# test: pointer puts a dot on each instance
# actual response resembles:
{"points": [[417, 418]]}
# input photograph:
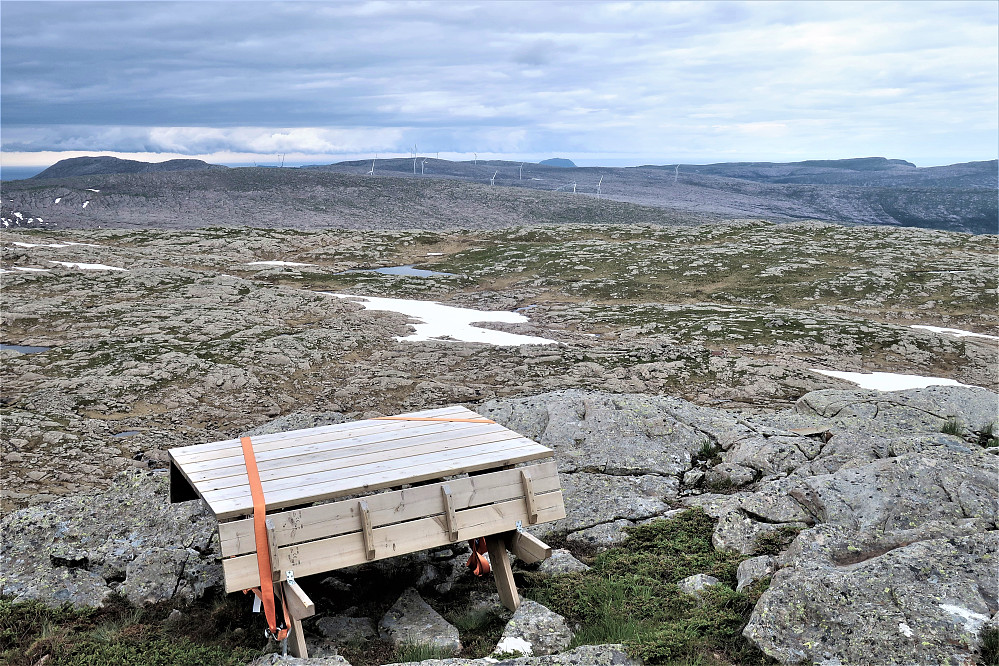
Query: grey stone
{"points": [[562, 562], [411, 621], [592, 499], [599, 537], [129, 538], [754, 569], [693, 477], [584, 655], [274, 658], [534, 630], [695, 585], [729, 474], [346, 629], [840, 601]]}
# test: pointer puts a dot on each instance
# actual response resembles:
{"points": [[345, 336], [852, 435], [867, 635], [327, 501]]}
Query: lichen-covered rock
{"points": [[840, 602], [411, 621], [754, 569], [128, 539], [562, 562], [346, 629], [584, 655], [534, 630], [599, 538], [696, 584], [593, 499]]}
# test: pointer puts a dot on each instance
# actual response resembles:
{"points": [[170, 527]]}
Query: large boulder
{"points": [[411, 621], [588, 655], [534, 630], [128, 539]]}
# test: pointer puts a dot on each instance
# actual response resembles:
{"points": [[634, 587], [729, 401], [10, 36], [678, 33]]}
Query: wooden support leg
{"points": [[502, 572], [296, 640], [299, 606]]}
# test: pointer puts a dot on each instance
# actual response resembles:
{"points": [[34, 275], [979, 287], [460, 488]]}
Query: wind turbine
{"points": [[493, 179], [598, 186], [415, 156], [475, 159], [282, 160], [573, 187], [522, 171], [372, 172], [423, 164], [676, 174]]}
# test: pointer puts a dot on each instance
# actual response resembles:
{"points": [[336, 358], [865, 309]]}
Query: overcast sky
{"points": [[610, 83]]}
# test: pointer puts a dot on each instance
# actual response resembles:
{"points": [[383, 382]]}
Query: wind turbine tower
{"points": [[372, 172], [676, 174], [423, 164], [598, 186], [475, 158], [573, 187], [522, 171], [415, 155], [493, 179]]}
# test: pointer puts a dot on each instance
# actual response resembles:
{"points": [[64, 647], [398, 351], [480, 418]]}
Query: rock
{"points": [[599, 538], [274, 658], [584, 655], [346, 629], [411, 621], [754, 569], [534, 630], [695, 585], [729, 475], [840, 602], [129, 539], [561, 562], [593, 499]]}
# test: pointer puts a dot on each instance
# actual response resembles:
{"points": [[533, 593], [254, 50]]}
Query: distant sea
{"points": [[20, 173]]}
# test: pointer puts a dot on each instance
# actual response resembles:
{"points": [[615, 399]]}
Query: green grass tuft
{"points": [[990, 647], [987, 437], [952, 426], [420, 652], [631, 596]]}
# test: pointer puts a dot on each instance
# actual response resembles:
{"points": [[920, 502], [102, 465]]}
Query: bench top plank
{"points": [[305, 466]]}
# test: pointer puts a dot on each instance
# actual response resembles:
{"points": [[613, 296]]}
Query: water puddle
{"points": [[127, 433], [438, 321], [409, 270], [277, 263], [24, 349], [888, 381]]}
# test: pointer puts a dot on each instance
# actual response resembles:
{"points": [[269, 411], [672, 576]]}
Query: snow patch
{"points": [[30, 270], [277, 263], [514, 644], [905, 629], [85, 203], [888, 381], [955, 332], [57, 200], [87, 267], [90, 189], [438, 321]]}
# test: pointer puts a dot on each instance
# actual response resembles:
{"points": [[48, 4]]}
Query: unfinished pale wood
{"points": [[272, 550], [450, 520], [198, 451], [369, 540], [397, 539], [502, 572], [234, 502], [532, 511], [343, 459], [299, 604], [366, 441], [296, 639], [298, 525], [527, 548]]}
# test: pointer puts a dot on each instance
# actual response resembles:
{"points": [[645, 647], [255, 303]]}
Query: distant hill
{"points": [[558, 162], [89, 166]]}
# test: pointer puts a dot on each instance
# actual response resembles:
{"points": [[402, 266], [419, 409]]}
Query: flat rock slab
{"points": [[562, 562], [411, 621], [922, 603], [129, 539], [592, 499]]}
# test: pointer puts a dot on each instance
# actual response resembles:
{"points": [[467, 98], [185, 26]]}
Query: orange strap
{"points": [[266, 590], [477, 561], [430, 418]]}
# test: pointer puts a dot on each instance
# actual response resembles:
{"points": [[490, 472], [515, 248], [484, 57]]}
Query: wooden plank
{"points": [[532, 511], [296, 639], [344, 459], [316, 522], [450, 520], [293, 491], [272, 550], [397, 539], [369, 540], [305, 445], [299, 604], [199, 451], [502, 573], [527, 548]]}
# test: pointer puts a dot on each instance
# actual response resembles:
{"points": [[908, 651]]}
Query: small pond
{"points": [[127, 433], [24, 349]]}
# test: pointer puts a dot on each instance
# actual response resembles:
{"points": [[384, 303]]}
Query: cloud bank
{"points": [[657, 81]]}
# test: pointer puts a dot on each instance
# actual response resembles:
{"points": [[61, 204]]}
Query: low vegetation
{"points": [[631, 596]]}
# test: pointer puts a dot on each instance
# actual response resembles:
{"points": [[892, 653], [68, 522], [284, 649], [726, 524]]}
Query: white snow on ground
{"points": [[277, 263], [57, 200], [90, 189], [87, 267], [66, 244], [435, 254], [30, 270], [514, 644], [439, 321], [955, 332], [972, 621], [888, 381], [85, 203]]}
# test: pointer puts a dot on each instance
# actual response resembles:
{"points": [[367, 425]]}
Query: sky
{"points": [[612, 83]]}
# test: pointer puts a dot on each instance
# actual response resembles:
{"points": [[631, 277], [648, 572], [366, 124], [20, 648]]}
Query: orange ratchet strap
{"points": [[430, 418], [477, 561], [266, 590]]}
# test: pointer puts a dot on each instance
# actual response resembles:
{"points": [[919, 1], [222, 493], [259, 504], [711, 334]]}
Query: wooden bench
{"points": [[414, 481]]}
